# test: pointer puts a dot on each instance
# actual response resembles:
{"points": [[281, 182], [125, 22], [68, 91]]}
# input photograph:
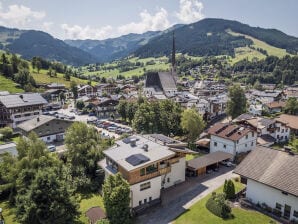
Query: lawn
{"points": [[271, 50], [9, 85], [87, 202], [198, 213], [192, 156], [42, 77]]}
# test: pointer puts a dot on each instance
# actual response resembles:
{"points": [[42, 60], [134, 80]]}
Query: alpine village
{"points": [[191, 123]]}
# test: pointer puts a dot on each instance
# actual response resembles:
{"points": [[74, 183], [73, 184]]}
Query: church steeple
{"points": [[174, 54]]}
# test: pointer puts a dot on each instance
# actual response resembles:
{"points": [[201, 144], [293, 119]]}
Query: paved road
{"points": [[178, 199]]}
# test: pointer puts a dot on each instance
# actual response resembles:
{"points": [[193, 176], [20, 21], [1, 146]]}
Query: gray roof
{"points": [[271, 167], [19, 100], [208, 159], [124, 149], [9, 148], [33, 123], [167, 81]]}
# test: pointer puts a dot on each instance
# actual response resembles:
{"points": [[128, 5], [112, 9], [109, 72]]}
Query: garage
{"points": [[199, 166]]}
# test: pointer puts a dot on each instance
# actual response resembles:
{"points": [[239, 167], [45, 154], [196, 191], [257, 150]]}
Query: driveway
{"points": [[176, 200]]}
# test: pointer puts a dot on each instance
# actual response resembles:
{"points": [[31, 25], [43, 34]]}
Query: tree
{"points": [[84, 150], [192, 123], [121, 109], [74, 89], [80, 104], [37, 184], [229, 189], [218, 205], [294, 144], [47, 200], [236, 104], [116, 199], [7, 133], [291, 106]]}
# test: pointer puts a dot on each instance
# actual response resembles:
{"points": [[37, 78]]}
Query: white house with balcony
{"points": [[149, 163], [232, 138], [271, 180]]}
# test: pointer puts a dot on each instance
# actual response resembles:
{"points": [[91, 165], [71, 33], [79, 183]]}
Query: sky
{"points": [[102, 19]]}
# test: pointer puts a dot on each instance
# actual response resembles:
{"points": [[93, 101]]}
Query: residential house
{"points": [[269, 130], [87, 90], [275, 106], [290, 121], [107, 88], [107, 108], [271, 179], [48, 128], [149, 163], [55, 86], [232, 138], [16, 108]]}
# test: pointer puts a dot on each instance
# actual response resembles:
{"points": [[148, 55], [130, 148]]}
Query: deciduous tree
{"points": [[237, 101]]}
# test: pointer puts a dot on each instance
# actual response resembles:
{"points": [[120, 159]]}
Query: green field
{"points": [[161, 64], [9, 85], [198, 214], [246, 52], [42, 77]]}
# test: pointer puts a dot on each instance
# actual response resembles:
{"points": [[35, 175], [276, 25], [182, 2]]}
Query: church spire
{"points": [[174, 54]]}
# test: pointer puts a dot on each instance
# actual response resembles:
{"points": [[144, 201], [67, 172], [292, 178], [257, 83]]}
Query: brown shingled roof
{"points": [[94, 214], [229, 131], [272, 167], [289, 120], [276, 104]]}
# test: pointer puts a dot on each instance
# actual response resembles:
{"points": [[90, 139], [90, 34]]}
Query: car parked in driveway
{"points": [[52, 148]]}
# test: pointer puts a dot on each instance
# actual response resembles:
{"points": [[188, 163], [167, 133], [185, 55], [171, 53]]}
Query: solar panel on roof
{"points": [[137, 159]]}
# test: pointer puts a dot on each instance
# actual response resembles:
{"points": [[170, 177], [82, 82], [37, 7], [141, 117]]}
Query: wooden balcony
{"points": [[135, 177]]}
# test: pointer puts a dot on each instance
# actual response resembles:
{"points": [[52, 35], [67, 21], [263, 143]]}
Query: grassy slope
{"points": [[246, 52], [9, 85], [42, 77], [160, 66], [198, 213]]}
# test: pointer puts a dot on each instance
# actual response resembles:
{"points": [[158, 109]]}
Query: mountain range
{"points": [[203, 38]]}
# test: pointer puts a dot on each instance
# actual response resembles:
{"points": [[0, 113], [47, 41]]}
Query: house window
{"points": [[224, 146], [215, 144], [246, 136], [142, 172], [295, 214], [287, 211], [145, 186], [286, 130], [145, 200], [252, 143], [140, 202], [150, 198], [245, 145], [282, 130], [253, 134], [168, 180], [17, 116], [278, 206], [48, 138]]}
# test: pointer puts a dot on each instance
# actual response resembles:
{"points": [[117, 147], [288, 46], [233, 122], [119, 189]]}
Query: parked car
{"points": [[230, 164], [52, 148], [92, 114]]}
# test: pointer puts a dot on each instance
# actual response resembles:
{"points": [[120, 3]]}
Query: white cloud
{"points": [[190, 11], [158, 21], [79, 32], [19, 15], [47, 26]]}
